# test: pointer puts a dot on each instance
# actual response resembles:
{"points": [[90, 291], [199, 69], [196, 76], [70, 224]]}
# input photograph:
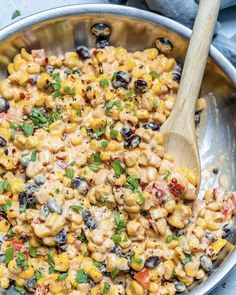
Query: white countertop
{"points": [[28, 7]]}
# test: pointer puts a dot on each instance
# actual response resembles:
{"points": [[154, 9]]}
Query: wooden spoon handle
{"points": [[196, 59]]}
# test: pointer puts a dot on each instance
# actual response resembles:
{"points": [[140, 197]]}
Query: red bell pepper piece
{"points": [[143, 277]]}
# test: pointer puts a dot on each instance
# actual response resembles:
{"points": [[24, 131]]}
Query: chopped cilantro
{"points": [[132, 183], [115, 272], [116, 238], [88, 88], [155, 105], [79, 113], [167, 175], [77, 208], [50, 258], [140, 197], [38, 117], [83, 238], [110, 104], [21, 261], [72, 163], [38, 275], [33, 251], [153, 74], [129, 94], [103, 199], [171, 238], [57, 191], [113, 133], [97, 157], [104, 144], [15, 14], [101, 131], [81, 276], [21, 290], [116, 165], [104, 83], [22, 208], [51, 270], [52, 117], [8, 254], [69, 173], [187, 259], [68, 90], [28, 129], [33, 156], [14, 126], [56, 94], [7, 206], [94, 166], [10, 233], [120, 223], [4, 186], [106, 288], [62, 276]]}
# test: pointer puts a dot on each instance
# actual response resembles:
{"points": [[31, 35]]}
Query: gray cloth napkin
{"points": [[184, 11]]}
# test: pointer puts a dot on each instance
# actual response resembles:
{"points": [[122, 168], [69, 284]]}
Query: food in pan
{"points": [[90, 202]]}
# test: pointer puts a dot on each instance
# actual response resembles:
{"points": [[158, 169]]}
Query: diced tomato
{"points": [[22, 95], [115, 187], [143, 277], [226, 209], [16, 244], [40, 290], [176, 188], [157, 190]]}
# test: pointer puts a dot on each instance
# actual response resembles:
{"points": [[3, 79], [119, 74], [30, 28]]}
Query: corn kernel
{"points": [[5, 132], [71, 127], [33, 68], [61, 262], [17, 185], [94, 273], [4, 283], [218, 245], [20, 282]]}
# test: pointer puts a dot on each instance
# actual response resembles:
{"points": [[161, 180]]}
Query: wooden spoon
{"points": [[179, 130]]}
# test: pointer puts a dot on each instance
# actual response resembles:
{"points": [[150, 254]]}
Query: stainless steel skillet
{"points": [[59, 30]]}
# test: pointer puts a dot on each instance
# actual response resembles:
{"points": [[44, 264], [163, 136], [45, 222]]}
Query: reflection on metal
{"points": [[63, 29]]}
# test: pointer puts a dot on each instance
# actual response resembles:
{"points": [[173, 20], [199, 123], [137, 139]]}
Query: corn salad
{"points": [[90, 202]]}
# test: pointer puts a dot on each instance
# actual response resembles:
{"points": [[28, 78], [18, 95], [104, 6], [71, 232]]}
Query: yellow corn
{"points": [[4, 283], [33, 68], [71, 127], [5, 132], [137, 266], [31, 142], [218, 245], [94, 273], [43, 79], [20, 282], [136, 288], [1, 271], [41, 230], [61, 262], [17, 185], [26, 55]]}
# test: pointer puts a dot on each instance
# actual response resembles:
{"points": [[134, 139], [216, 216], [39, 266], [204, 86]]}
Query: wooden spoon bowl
{"points": [[179, 130]]}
